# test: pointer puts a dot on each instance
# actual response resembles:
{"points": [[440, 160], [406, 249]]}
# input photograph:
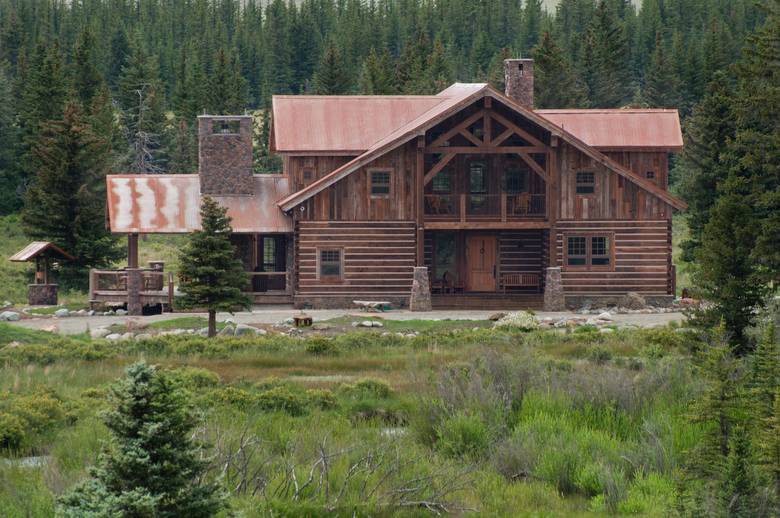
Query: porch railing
{"points": [[263, 282], [485, 207], [112, 285]]}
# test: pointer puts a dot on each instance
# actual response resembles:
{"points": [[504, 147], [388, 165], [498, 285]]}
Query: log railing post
{"points": [[462, 208], [92, 283], [170, 292], [503, 207]]}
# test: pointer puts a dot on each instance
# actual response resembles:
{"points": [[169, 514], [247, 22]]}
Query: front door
{"points": [[481, 263]]}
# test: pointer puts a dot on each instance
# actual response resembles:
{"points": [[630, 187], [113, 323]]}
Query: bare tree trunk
{"points": [[212, 323]]}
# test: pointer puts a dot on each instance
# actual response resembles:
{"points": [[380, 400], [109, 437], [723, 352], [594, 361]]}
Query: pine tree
{"points": [[739, 481], [556, 84], [532, 24], [214, 277], [768, 442], [331, 77], [118, 56], [765, 375], [662, 85], [227, 88], [437, 72], [605, 60], [152, 466], [87, 79], [141, 97], [65, 203], [376, 76], [702, 167], [10, 174], [727, 275], [495, 75]]}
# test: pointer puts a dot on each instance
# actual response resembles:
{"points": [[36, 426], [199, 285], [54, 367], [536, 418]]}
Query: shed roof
{"points": [[353, 124], [39, 248], [157, 204], [621, 128]]}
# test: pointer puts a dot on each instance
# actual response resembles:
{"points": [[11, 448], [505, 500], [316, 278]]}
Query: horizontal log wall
{"points": [[378, 258], [642, 256]]}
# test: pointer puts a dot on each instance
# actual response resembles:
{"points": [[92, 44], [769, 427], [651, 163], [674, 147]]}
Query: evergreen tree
{"points": [[118, 55], [332, 77], [226, 86], [765, 376], [739, 480], [152, 466], [496, 73], [65, 203], [727, 275], [86, 76], [556, 84], [662, 85], [214, 277], [532, 24], [702, 168], [10, 174], [376, 75], [768, 442], [141, 97], [605, 60]]}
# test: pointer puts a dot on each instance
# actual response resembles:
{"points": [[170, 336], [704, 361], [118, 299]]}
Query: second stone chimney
{"points": [[519, 81], [225, 155]]}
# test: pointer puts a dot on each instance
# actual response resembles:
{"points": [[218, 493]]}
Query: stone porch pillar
{"points": [[421, 290], [134, 280], [553, 290]]}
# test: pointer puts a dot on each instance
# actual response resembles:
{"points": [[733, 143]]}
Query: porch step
{"points": [[488, 301]]}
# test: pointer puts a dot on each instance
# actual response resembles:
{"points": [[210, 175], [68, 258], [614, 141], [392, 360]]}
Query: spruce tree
{"points": [[496, 73], [87, 79], [605, 61], [65, 203], [332, 77], [556, 84], [152, 466], [702, 167], [739, 481], [376, 75], [662, 85], [227, 88], [10, 173], [213, 275]]}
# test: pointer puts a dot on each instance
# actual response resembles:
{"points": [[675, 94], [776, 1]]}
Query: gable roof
{"points": [[625, 129], [170, 203], [39, 248], [459, 96]]}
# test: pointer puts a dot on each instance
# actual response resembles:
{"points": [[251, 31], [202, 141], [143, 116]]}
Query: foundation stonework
{"points": [[553, 290], [420, 299]]}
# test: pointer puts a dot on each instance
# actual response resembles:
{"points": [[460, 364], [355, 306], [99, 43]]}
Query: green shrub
{"points": [[560, 467], [321, 346], [599, 355], [239, 398], [366, 389], [93, 393], [463, 435], [282, 399], [322, 399], [195, 377], [11, 431], [589, 479]]}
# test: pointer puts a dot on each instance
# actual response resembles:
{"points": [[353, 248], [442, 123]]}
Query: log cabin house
{"points": [[501, 204]]}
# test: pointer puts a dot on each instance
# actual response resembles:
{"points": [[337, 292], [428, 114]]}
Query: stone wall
{"points": [[42, 295], [519, 81], [225, 155]]}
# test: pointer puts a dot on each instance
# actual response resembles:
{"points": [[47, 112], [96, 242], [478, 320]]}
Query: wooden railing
{"points": [[263, 282], [111, 285], [485, 207]]}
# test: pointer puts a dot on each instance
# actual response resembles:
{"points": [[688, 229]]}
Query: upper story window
{"points": [[516, 181], [586, 182], [330, 263], [308, 174], [650, 175], [379, 182], [442, 182], [477, 178], [589, 251], [225, 127]]}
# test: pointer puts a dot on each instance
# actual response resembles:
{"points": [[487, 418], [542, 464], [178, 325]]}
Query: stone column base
{"points": [[553, 290], [421, 290], [42, 294], [134, 279]]}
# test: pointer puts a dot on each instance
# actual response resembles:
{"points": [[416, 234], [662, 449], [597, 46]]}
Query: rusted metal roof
{"points": [[621, 129], [345, 123], [38, 248], [158, 204]]}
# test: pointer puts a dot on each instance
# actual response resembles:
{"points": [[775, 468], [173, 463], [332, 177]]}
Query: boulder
{"points": [[245, 330], [62, 312], [633, 300], [203, 331], [10, 316], [127, 336], [228, 330], [366, 323], [135, 324], [606, 330], [51, 328], [121, 312], [143, 336], [497, 316], [113, 336], [81, 312], [606, 315], [321, 326], [99, 332]]}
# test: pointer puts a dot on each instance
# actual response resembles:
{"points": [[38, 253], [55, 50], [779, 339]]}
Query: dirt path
{"points": [[273, 314]]}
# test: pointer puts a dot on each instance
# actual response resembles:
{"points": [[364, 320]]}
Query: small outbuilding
{"points": [[42, 292]]}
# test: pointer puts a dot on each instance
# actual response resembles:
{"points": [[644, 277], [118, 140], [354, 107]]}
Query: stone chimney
{"points": [[519, 81], [225, 155]]}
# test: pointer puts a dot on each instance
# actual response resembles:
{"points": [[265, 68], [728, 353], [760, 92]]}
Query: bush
{"points": [[521, 320], [239, 398], [599, 355], [11, 431], [281, 399], [322, 399], [195, 377], [321, 346], [463, 435], [366, 389]]}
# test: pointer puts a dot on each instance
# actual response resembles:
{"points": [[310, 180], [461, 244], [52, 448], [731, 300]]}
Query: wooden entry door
{"points": [[481, 263]]}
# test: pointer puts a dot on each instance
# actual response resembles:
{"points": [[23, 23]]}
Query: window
{"points": [[586, 182], [442, 182], [330, 263], [650, 175], [443, 254], [225, 127], [589, 251], [516, 181], [269, 254], [308, 174], [477, 180], [380, 183]]}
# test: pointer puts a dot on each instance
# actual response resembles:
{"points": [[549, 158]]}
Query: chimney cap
{"points": [[225, 117]]}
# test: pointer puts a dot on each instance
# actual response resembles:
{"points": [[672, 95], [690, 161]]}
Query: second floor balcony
{"points": [[502, 207]]}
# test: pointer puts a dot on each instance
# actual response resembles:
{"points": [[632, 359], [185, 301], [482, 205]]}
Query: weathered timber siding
{"points": [[378, 259], [350, 199], [642, 258], [615, 197]]}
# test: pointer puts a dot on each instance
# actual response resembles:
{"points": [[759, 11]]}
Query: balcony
{"points": [[503, 208]]}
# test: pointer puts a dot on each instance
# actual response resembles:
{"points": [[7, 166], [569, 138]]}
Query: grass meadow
{"points": [[499, 422]]}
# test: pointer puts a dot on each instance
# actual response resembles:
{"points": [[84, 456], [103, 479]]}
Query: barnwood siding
{"points": [[378, 258], [350, 199], [642, 252], [615, 198]]}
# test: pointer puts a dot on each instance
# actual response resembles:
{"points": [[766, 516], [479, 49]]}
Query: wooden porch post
{"points": [[132, 250], [419, 198]]}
